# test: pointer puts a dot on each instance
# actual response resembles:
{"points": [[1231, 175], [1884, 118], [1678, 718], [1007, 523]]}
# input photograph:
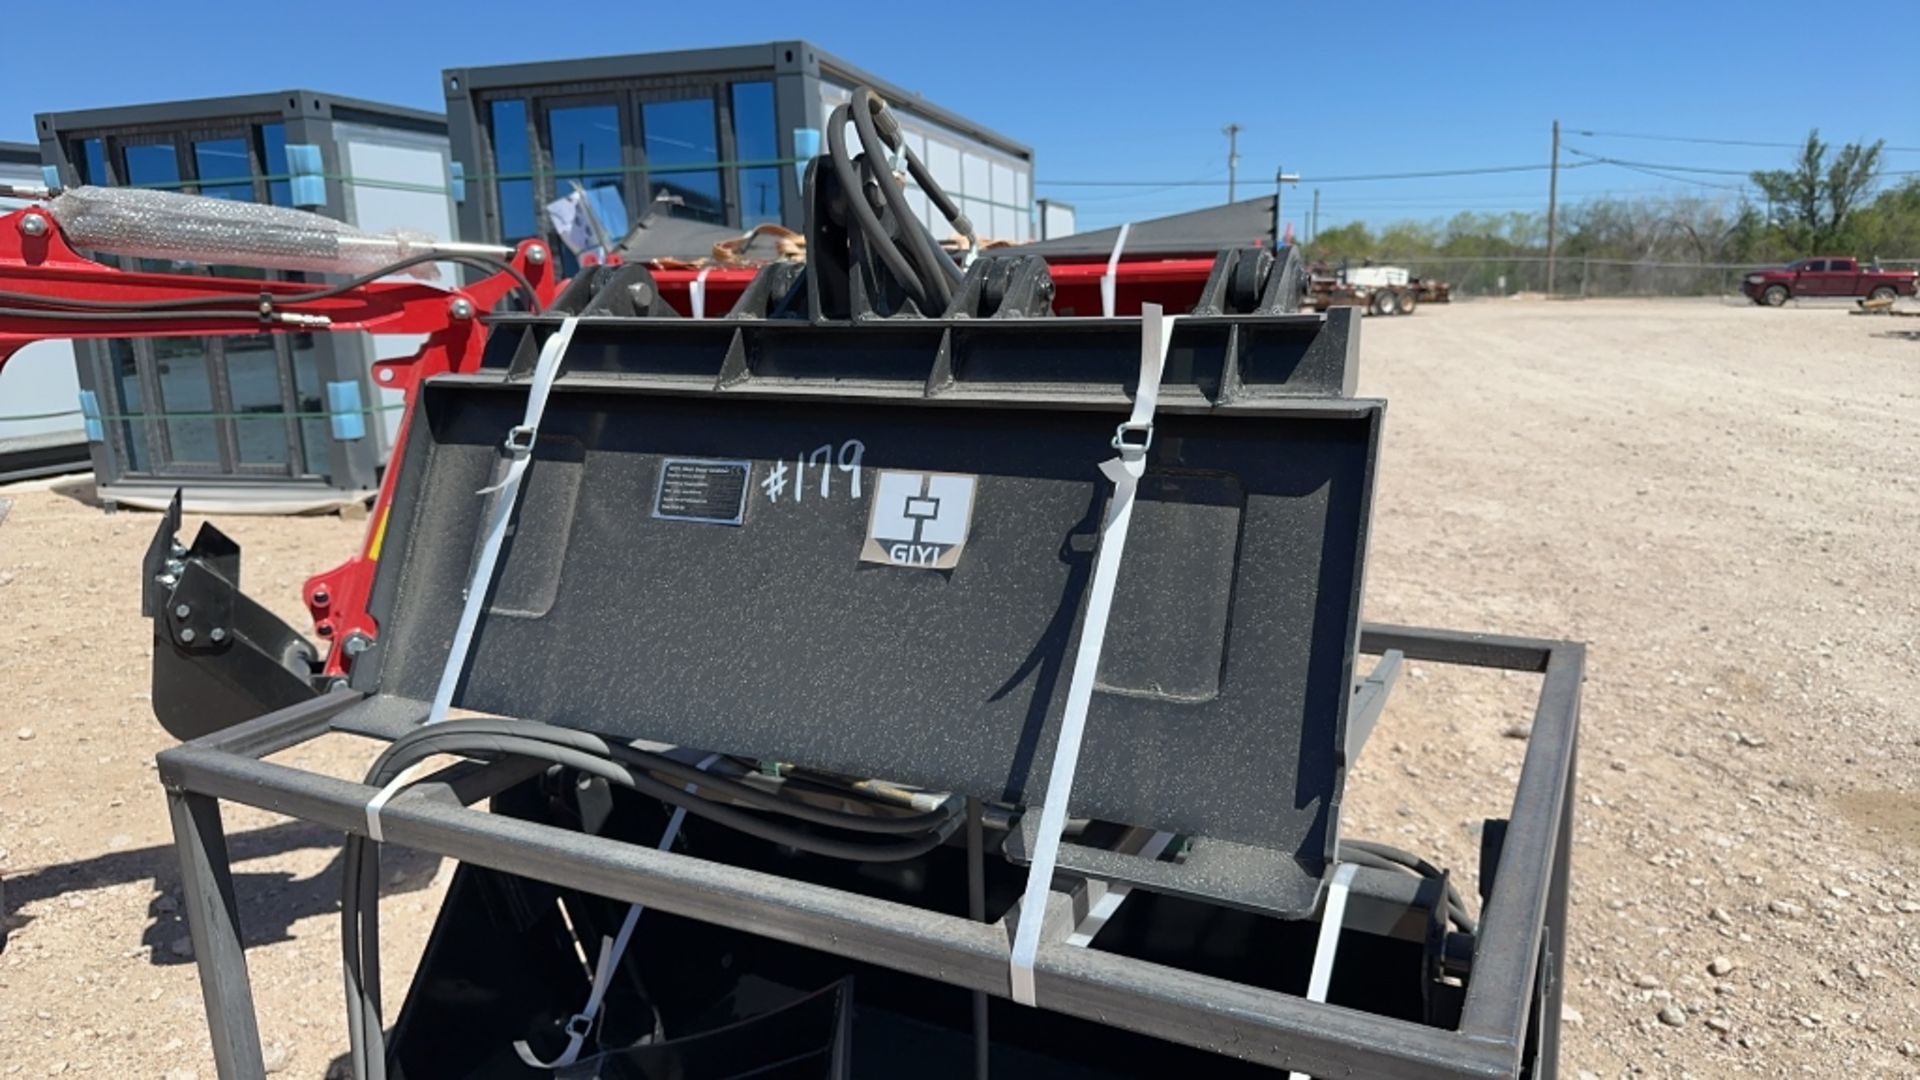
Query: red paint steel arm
{"points": [[36, 261]]}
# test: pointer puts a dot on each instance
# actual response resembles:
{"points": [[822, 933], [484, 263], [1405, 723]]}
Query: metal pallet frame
{"points": [[1512, 1006]]}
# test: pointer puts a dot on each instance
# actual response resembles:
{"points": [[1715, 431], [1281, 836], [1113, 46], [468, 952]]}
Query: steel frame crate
{"points": [[1511, 1012]]}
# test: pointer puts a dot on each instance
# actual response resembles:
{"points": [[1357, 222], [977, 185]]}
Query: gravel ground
{"points": [[1722, 500]]}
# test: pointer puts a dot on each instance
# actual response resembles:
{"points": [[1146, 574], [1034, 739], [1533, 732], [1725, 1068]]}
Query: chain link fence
{"points": [[1584, 277]]}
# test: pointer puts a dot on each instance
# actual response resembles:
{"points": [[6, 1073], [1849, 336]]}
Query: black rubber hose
{"points": [[887, 824], [936, 276], [889, 129], [359, 901], [947, 207], [1380, 856], [868, 222], [251, 315], [616, 772]]}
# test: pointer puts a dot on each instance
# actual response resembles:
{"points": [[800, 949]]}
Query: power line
{"points": [[1643, 170], [1712, 141], [1423, 175], [1597, 159], [1131, 183], [1483, 171], [1600, 159]]}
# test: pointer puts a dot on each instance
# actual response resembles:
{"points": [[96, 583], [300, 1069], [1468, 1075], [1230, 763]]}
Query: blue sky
{"points": [[1124, 91]]}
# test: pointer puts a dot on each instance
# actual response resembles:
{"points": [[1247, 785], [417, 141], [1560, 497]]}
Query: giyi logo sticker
{"points": [[919, 519]]}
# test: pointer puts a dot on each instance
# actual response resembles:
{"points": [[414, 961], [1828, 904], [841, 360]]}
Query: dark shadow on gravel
{"points": [[270, 901]]}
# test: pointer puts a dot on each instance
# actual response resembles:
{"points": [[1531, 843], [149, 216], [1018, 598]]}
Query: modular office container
{"points": [[271, 422], [722, 134]]}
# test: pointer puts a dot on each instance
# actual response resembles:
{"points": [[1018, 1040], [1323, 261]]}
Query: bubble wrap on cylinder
{"points": [[221, 232]]}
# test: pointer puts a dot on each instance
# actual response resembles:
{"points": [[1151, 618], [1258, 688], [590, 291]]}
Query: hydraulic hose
{"points": [[628, 766]]}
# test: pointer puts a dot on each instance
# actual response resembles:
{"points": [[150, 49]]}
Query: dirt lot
{"points": [[1722, 500]]}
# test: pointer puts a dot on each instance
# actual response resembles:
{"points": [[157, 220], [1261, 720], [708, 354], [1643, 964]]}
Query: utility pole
{"points": [[1232, 132], [1553, 202], [1313, 226]]}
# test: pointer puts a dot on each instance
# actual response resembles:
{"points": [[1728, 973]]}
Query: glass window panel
{"points": [[253, 379], [1020, 189], [513, 162], [226, 172], [273, 157], [154, 165], [754, 135], [759, 197], [974, 177], [943, 161], [680, 134], [126, 377], [917, 200], [187, 398], [586, 145], [1003, 185], [1002, 224], [91, 156], [316, 433], [756, 138], [980, 212]]}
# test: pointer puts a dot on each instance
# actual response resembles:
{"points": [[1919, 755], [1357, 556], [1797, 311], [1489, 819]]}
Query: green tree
{"points": [[1814, 200], [1890, 225], [1350, 241]]}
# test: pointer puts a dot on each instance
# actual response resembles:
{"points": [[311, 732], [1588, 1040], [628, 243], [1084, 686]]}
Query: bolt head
{"points": [[182, 611], [33, 225], [216, 634], [462, 309], [536, 255], [176, 567], [357, 644], [186, 633], [641, 292]]}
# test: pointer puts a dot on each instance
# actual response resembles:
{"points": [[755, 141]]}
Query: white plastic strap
{"points": [[580, 1024], [520, 442], [1329, 942], [1109, 902], [697, 293], [1109, 282], [379, 801], [1131, 441]]}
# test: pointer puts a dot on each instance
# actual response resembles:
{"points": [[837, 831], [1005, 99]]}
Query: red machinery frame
{"points": [[1175, 283], [36, 259]]}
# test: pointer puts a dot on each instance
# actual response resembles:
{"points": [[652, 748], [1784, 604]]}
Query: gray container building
{"points": [[277, 422], [721, 133]]}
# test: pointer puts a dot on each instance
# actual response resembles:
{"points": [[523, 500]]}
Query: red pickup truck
{"points": [[1827, 277]]}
